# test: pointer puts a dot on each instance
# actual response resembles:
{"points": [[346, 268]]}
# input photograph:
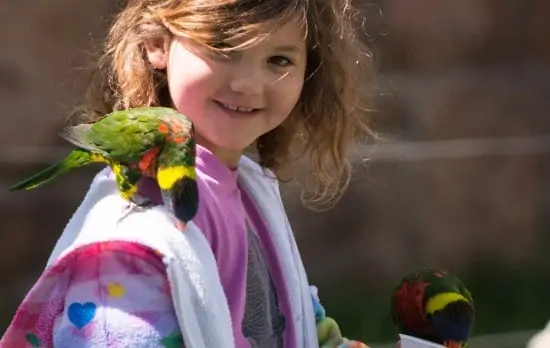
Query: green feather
{"points": [[76, 158], [122, 136], [135, 143]]}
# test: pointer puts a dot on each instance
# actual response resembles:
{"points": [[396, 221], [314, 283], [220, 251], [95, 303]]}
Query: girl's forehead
{"points": [[255, 12], [289, 31], [289, 28], [290, 35]]}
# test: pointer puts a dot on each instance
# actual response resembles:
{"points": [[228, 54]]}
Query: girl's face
{"points": [[234, 100]]}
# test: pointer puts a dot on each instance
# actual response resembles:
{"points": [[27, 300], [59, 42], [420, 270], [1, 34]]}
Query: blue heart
{"points": [[81, 314]]}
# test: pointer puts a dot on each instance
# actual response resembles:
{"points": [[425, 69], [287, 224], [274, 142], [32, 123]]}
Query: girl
{"points": [[280, 75]]}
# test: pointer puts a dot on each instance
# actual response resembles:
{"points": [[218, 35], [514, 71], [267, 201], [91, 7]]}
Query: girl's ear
{"points": [[157, 53]]}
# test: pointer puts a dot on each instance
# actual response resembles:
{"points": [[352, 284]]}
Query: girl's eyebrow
{"points": [[288, 48]]}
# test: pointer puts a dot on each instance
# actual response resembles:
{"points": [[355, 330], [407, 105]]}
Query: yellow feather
{"points": [[128, 192], [167, 177], [95, 157], [440, 301]]}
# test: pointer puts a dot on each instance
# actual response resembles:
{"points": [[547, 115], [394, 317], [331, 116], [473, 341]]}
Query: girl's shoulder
{"points": [[105, 216], [256, 177], [252, 167]]}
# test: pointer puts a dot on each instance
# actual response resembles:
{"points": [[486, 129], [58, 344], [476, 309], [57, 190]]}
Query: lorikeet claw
{"points": [[136, 204], [141, 203]]}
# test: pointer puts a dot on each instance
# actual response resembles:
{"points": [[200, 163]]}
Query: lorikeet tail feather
{"points": [[77, 158]]}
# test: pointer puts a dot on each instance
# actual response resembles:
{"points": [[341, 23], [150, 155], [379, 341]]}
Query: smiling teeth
{"points": [[238, 108]]}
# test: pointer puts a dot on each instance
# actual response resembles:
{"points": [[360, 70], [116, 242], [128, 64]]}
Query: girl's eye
{"points": [[280, 61]]}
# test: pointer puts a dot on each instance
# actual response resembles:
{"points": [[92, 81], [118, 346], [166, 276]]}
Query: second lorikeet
{"points": [[156, 142], [434, 305]]}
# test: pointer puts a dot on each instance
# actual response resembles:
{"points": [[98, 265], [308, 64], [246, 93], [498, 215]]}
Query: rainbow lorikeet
{"points": [[155, 142], [434, 305]]}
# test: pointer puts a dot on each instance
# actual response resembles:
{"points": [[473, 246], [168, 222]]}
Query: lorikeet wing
{"points": [[122, 136]]}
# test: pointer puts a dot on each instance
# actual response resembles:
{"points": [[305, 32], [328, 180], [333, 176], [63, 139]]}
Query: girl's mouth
{"points": [[238, 109]]}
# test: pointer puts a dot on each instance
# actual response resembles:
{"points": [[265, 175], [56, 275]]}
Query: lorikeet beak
{"points": [[182, 200], [453, 344], [180, 225], [169, 204]]}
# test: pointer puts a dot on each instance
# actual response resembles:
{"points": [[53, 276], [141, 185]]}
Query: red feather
{"points": [[408, 307]]}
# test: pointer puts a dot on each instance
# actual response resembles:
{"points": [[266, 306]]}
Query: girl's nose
{"points": [[247, 79]]}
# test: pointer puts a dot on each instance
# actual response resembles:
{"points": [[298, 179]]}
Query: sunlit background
{"points": [[460, 178]]}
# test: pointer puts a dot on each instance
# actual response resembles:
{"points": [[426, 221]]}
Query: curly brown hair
{"points": [[328, 117]]}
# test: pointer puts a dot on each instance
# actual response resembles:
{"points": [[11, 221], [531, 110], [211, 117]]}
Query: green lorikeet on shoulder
{"points": [[434, 305], [156, 142]]}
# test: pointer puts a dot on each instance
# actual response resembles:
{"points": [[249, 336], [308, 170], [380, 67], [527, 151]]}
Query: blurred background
{"points": [[461, 178]]}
